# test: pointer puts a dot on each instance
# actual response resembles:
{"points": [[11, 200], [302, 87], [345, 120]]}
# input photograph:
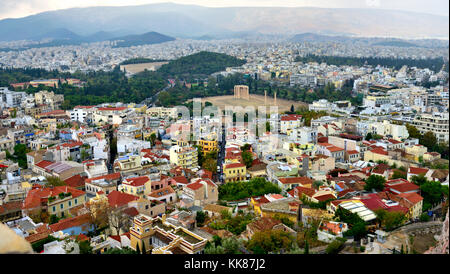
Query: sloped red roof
{"points": [[43, 164], [75, 181], [118, 199], [296, 180], [112, 176], [417, 170], [413, 197], [234, 165], [35, 196], [137, 181], [194, 186], [379, 151], [181, 179], [131, 211]]}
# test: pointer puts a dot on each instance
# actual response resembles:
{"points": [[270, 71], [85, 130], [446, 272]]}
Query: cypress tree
{"points": [[306, 247], [138, 250], [143, 248]]}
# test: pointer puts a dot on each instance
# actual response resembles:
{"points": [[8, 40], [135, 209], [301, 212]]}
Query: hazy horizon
{"points": [[23, 8]]}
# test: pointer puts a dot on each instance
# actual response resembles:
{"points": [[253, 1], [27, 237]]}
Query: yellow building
{"points": [[128, 164], [56, 200], [208, 146], [234, 172], [161, 237], [137, 186], [186, 157], [417, 150]]}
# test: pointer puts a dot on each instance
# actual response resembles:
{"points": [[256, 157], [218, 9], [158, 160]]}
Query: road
{"points": [[150, 101], [221, 155]]}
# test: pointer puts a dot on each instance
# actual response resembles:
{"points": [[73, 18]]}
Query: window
{"points": [[62, 206], [70, 203], [54, 208], [76, 201]]}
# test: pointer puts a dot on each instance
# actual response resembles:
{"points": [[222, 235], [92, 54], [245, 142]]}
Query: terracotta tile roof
{"points": [[194, 186], [417, 170], [42, 232], [181, 179], [38, 195], [304, 190], [131, 211], [137, 181], [404, 187], [162, 192], [234, 165], [334, 148], [118, 199], [11, 206], [71, 222], [72, 144], [379, 151], [291, 117], [75, 181], [324, 197], [264, 223], [393, 141], [296, 180], [43, 164], [413, 197], [108, 177]]}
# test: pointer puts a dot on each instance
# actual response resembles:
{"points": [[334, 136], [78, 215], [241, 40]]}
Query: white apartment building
{"points": [[436, 123], [304, 135], [81, 113], [321, 105]]}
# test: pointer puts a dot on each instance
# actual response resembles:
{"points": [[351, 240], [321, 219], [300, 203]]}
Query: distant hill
{"points": [[202, 63], [58, 34], [395, 44], [178, 20], [142, 39]]}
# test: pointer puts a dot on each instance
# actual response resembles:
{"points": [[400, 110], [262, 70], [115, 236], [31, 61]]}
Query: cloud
{"points": [[21, 8]]}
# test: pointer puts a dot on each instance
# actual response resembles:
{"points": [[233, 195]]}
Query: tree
{"points": [[292, 109], [214, 249], [84, 154], [200, 218], [210, 165], [428, 140], [231, 245], [153, 138], [124, 250], [144, 250], [98, 212], [118, 219], [54, 219], [390, 219], [85, 247], [54, 181], [413, 131], [399, 174], [334, 247], [264, 242], [138, 249], [306, 247], [375, 182], [369, 136], [247, 158]]}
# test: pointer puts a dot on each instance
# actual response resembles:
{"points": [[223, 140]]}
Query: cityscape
{"points": [[237, 136]]}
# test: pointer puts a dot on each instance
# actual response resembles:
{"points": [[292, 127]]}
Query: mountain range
{"points": [[189, 21]]}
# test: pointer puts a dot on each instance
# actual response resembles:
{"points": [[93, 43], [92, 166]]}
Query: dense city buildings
{"points": [[225, 146]]}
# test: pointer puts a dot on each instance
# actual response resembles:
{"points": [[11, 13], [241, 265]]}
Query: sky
{"points": [[22, 8]]}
